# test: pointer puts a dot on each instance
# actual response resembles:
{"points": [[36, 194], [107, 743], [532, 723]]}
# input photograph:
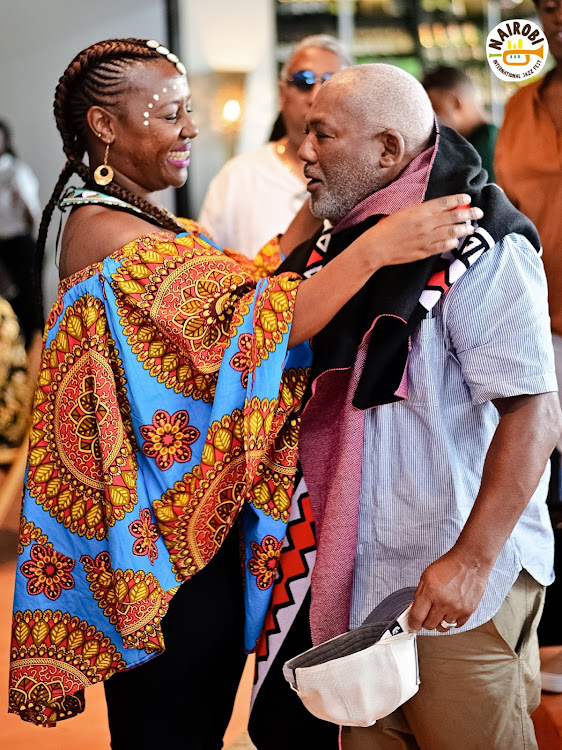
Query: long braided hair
{"points": [[94, 78]]}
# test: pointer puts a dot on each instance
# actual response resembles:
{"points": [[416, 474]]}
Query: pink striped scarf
{"points": [[331, 443]]}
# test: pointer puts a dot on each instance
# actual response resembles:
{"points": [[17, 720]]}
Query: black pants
{"points": [[183, 698], [550, 633], [17, 255], [279, 721]]}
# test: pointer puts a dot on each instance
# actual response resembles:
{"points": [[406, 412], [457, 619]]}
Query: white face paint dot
{"points": [[150, 105], [155, 97], [146, 114], [145, 122], [174, 87], [164, 91]]}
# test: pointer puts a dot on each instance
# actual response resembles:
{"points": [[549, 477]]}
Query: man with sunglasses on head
{"points": [[256, 195]]}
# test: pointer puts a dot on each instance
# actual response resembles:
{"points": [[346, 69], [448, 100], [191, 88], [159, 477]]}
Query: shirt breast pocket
{"points": [[427, 362]]}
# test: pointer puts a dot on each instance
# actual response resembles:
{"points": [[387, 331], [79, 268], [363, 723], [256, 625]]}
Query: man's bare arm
{"points": [[451, 588]]}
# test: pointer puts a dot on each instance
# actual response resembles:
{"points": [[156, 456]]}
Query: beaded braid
{"points": [[93, 78]]}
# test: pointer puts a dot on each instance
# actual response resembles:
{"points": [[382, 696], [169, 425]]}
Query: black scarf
{"points": [[396, 290]]}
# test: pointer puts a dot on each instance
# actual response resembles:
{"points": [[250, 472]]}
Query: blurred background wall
{"points": [[229, 51]]}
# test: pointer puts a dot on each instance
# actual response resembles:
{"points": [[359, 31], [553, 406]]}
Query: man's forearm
{"points": [[452, 586], [524, 439]]}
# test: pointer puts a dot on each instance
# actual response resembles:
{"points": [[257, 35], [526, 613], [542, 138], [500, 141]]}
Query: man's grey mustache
{"points": [[309, 174]]}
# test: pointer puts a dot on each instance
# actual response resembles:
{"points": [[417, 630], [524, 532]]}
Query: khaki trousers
{"points": [[478, 689]]}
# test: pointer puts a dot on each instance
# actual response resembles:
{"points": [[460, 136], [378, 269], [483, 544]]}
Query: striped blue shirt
{"points": [[488, 338]]}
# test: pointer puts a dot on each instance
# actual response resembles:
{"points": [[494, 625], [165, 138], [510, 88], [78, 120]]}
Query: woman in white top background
{"points": [[257, 194], [20, 211]]}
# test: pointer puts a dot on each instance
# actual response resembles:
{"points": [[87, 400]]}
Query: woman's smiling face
{"points": [[152, 128]]}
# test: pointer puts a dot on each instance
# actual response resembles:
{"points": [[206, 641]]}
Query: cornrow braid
{"points": [[93, 78], [64, 176]]}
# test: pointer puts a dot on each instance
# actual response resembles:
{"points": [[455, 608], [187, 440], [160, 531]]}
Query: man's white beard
{"points": [[335, 202], [329, 206]]}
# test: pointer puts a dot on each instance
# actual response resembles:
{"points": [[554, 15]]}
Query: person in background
{"points": [[20, 211], [456, 100], [256, 195], [529, 168], [15, 391]]}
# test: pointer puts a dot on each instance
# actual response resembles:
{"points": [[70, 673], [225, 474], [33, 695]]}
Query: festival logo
{"points": [[516, 50]]}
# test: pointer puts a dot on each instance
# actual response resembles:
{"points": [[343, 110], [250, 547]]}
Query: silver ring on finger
{"points": [[446, 624]]}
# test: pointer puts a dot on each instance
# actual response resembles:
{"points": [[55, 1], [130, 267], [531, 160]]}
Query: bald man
{"points": [[425, 444]]}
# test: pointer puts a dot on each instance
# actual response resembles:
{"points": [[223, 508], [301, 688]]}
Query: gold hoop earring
{"points": [[104, 174]]}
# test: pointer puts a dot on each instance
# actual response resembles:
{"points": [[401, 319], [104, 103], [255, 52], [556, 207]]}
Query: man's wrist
{"points": [[475, 555]]}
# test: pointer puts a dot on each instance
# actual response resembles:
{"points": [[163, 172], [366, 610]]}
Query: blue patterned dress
{"points": [[167, 407]]}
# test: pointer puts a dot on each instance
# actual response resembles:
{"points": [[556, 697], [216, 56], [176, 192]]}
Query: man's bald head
{"points": [[365, 126], [384, 96]]}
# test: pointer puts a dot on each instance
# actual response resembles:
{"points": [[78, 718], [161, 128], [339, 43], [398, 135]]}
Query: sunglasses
{"points": [[304, 80]]}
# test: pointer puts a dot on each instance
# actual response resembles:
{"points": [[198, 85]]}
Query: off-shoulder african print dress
{"points": [[167, 406]]}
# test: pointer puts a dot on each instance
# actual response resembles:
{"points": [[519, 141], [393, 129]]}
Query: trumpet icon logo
{"points": [[516, 50], [513, 54]]}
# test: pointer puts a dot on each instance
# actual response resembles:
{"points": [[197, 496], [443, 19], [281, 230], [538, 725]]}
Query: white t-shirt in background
{"points": [[19, 197], [253, 198]]}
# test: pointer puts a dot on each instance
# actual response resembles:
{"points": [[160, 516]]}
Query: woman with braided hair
{"points": [[166, 413]]}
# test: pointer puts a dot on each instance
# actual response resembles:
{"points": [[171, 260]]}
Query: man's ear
{"points": [[456, 101], [393, 149], [281, 88], [101, 123]]}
